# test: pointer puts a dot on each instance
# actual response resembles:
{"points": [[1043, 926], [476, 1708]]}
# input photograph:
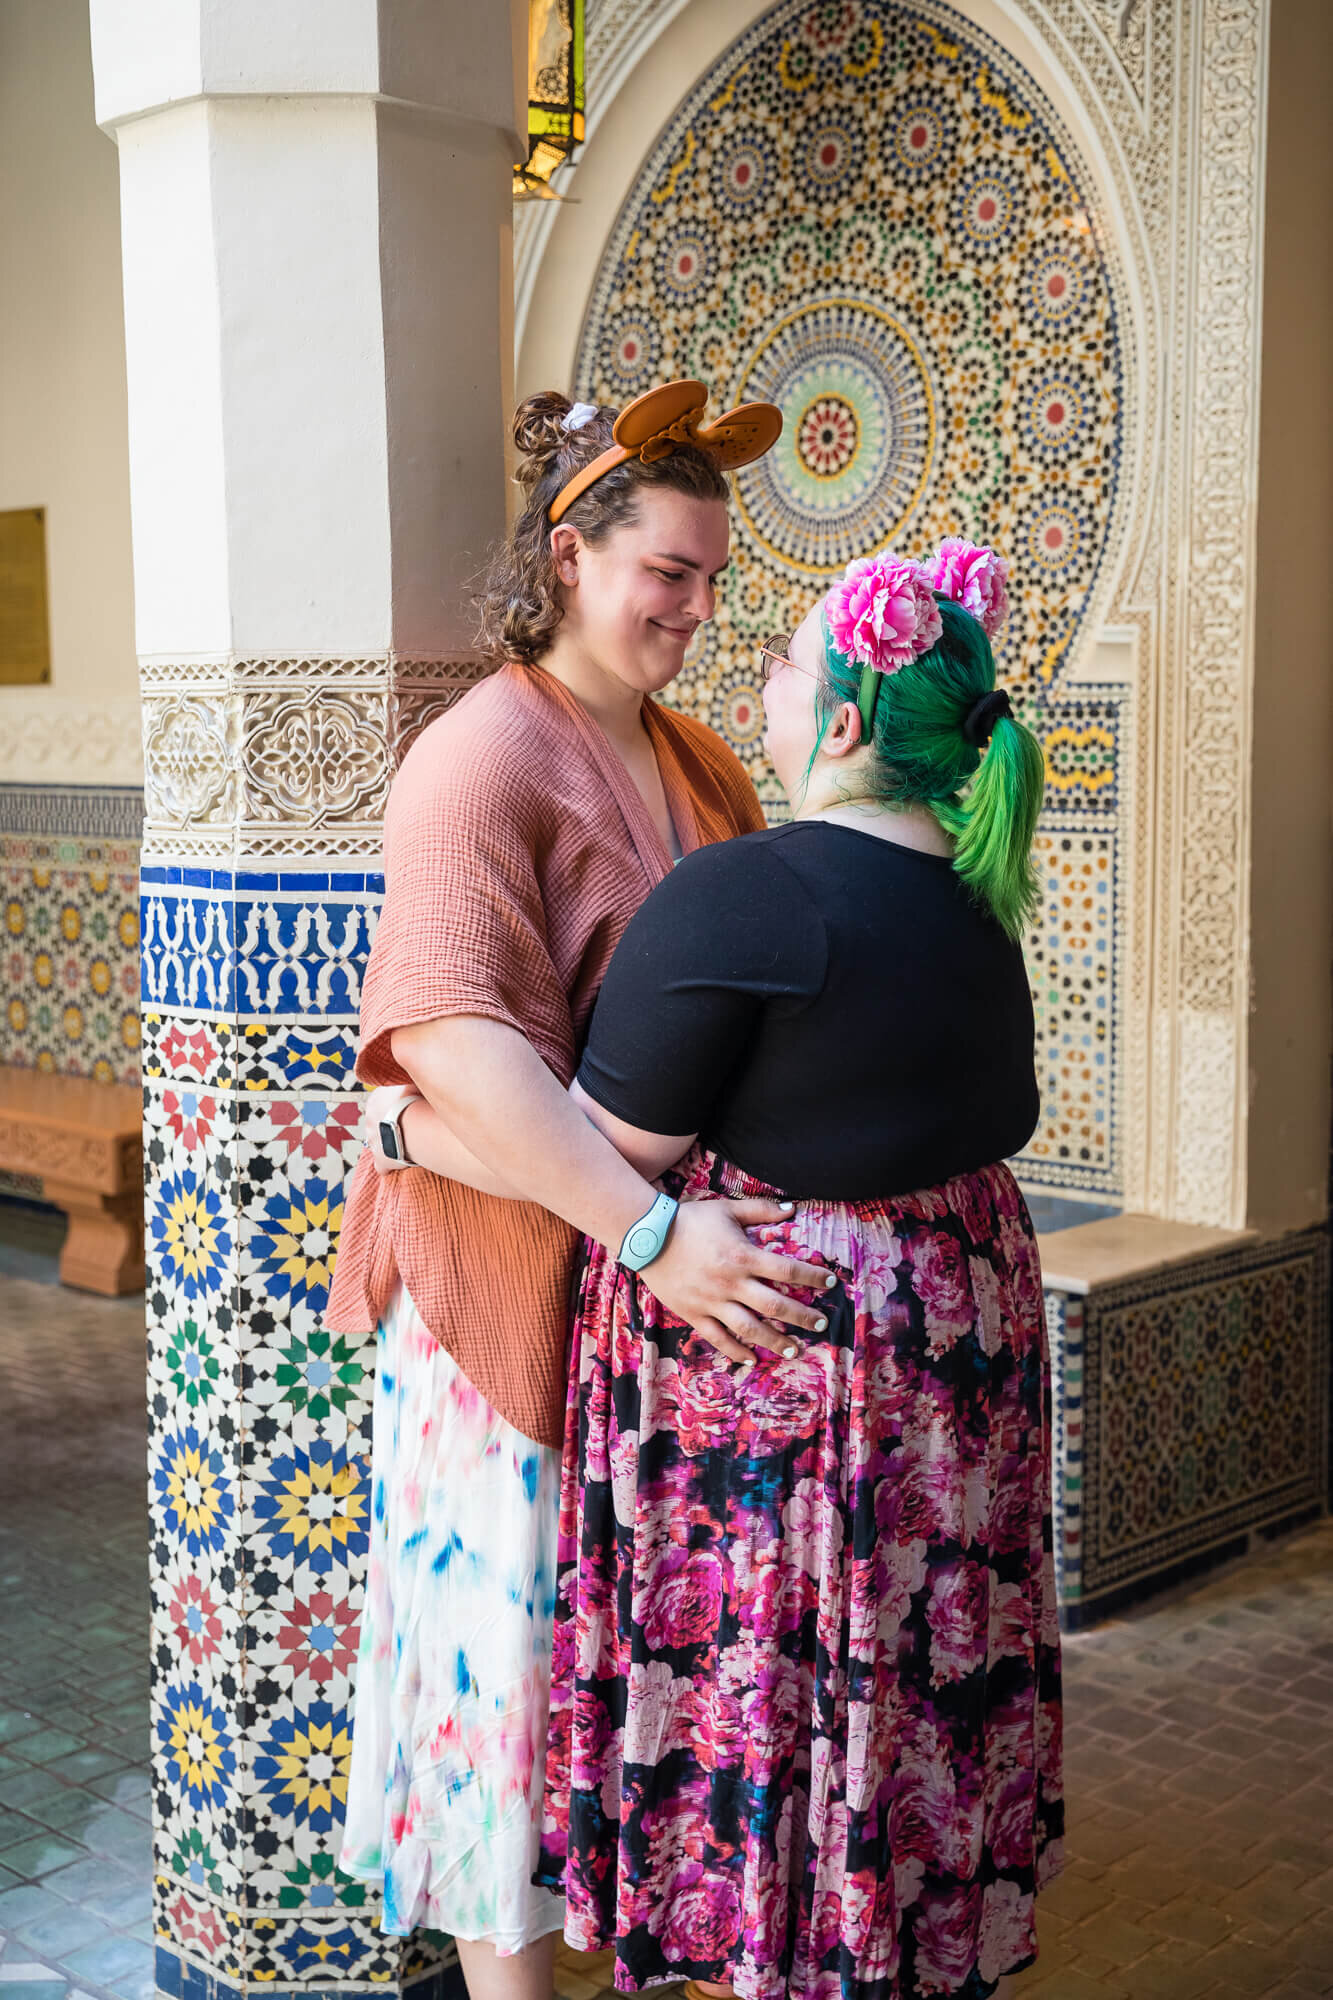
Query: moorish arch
{"points": [[957, 246]]}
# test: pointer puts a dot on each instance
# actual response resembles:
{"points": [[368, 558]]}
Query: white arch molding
{"points": [[1166, 100]]}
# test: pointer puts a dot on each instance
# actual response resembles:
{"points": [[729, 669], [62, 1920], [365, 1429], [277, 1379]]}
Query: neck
{"points": [[907, 826], [615, 707]]}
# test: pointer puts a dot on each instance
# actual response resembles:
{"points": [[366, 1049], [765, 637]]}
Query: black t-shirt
{"points": [[834, 1014]]}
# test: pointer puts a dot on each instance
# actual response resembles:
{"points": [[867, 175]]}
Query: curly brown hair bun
{"points": [[543, 444], [519, 603]]}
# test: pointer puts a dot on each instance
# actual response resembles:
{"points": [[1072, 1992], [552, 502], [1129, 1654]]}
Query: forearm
{"points": [[507, 1110], [431, 1144]]}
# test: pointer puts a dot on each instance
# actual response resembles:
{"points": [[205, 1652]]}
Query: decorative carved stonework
{"points": [[188, 760], [282, 758], [310, 763]]}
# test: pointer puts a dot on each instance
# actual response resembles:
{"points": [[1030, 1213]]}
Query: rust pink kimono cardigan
{"points": [[516, 849]]}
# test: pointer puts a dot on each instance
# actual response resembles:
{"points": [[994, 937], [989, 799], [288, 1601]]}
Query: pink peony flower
{"points": [[705, 1408], [1010, 1624], [1008, 1934], [883, 613], [973, 577], [1011, 1525], [703, 1918], [946, 1940], [923, 1810], [958, 1616], [781, 1402], [1010, 1818], [682, 1599]]}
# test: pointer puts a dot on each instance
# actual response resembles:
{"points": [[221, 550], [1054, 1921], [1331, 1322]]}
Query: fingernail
{"points": [[821, 1325], [830, 1280], [790, 1353], [744, 1367], [787, 1207]]}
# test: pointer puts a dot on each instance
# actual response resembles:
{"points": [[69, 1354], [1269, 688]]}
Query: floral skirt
{"points": [[452, 1679], [805, 1709]]}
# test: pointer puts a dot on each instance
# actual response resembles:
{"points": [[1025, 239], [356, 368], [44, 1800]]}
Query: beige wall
{"points": [[1291, 890], [62, 398]]}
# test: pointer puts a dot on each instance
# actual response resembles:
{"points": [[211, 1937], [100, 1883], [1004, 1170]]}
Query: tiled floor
{"points": [[1199, 1735]]}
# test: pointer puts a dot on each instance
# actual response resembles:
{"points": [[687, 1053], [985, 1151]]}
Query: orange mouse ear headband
{"points": [[653, 425]]}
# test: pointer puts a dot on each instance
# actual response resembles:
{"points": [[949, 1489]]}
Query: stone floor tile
{"points": [[1248, 1968], [47, 1745], [1070, 1985], [27, 1788], [28, 1902], [69, 1810], [66, 1931], [1071, 1897], [112, 1961], [1160, 1978], [1191, 1921], [1110, 1935], [41, 1855]]}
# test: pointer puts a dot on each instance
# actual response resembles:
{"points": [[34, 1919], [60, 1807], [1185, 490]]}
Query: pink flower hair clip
{"points": [[883, 614], [974, 577]]}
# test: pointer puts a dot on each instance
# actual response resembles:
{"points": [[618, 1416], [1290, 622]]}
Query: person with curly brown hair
{"points": [[523, 830]]}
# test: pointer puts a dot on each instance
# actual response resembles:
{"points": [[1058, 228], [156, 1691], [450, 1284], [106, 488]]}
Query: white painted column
{"points": [[316, 224]]}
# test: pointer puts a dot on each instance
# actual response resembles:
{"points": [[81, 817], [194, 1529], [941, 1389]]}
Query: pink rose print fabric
{"points": [[805, 1711]]}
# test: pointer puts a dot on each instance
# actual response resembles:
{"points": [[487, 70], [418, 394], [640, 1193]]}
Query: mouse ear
{"points": [[742, 435], [652, 415]]}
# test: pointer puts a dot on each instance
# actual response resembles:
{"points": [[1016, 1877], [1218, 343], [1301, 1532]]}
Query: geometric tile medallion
{"points": [[1192, 1408], [869, 214]]}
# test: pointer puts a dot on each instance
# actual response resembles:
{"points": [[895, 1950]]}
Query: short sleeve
{"points": [[729, 933], [463, 927]]}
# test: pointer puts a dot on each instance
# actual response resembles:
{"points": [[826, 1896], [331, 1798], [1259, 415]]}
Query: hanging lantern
{"points": [[555, 94]]}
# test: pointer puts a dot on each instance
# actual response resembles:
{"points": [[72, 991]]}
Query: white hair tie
{"points": [[581, 414]]}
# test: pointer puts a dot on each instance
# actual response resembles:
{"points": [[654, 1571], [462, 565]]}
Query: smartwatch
{"points": [[389, 1130], [646, 1238]]}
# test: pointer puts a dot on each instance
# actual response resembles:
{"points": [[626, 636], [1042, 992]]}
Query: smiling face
{"points": [[634, 601]]}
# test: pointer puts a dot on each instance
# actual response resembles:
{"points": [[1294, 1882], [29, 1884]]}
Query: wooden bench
{"points": [[84, 1141]]}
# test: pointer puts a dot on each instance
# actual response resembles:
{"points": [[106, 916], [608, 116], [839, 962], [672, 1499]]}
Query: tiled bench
{"points": [[1191, 1399], [83, 1140]]}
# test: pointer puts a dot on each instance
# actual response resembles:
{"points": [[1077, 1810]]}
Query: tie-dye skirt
{"points": [[805, 1715], [449, 1719]]}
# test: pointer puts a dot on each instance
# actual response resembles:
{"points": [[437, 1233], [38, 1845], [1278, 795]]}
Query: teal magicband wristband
{"points": [[645, 1238]]}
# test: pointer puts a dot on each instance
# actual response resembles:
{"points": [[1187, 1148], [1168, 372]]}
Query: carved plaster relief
{"points": [[265, 759], [50, 738]]}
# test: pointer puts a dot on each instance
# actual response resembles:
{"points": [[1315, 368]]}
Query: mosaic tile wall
{"points": [[259, 1433], [867, 213], [1191, 1408], [69, 884]]}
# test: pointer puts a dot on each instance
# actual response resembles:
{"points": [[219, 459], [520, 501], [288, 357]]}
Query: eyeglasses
{"points": [[775, 653]]}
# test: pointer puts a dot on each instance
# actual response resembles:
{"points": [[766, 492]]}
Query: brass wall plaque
{"points": [[25, 637]]}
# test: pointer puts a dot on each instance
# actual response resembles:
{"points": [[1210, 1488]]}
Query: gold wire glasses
{"points": [[776, 652]]}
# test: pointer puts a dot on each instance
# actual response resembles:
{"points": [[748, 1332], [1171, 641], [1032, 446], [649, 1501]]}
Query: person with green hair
{"points": [[805, 1707]]}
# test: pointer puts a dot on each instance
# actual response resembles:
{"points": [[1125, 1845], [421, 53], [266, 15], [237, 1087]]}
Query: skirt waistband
{"points": [[702, 1172]]}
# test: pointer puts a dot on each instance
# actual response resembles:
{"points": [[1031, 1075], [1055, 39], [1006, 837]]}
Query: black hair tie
{"points": [[983, 715]]}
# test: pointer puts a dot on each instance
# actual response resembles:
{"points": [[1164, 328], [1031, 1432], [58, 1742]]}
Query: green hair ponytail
{"points": [[922, 756]]}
